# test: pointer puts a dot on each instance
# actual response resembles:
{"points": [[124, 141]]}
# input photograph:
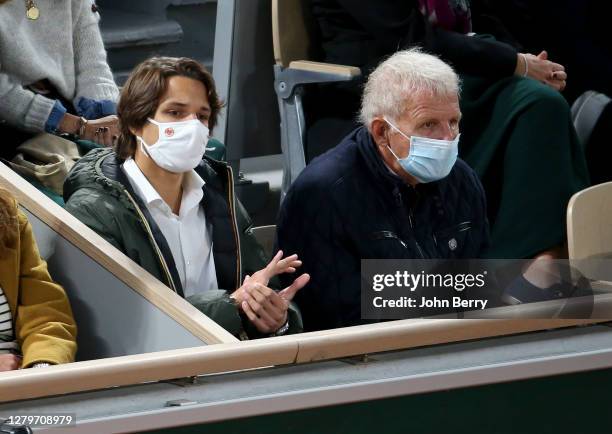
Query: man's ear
{"points": [[379, 131]]}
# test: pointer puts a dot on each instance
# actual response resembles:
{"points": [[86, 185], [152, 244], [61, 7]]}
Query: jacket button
{"points": [[452, 244]]}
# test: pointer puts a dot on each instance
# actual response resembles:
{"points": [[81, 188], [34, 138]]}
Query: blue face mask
{"points": [[429, 160]]}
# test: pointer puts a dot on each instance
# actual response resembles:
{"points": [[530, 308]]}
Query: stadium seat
{"points": [[265, 237], [586, 111], [589, 234], [291, 34]]}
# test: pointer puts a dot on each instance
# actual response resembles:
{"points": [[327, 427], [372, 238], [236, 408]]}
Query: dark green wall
{"points": [[577, 403]]}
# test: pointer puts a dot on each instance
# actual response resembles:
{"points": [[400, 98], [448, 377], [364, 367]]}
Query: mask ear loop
{"points": [[394, 154], [396, 129], [402, 133], [206, 147], [143, 146]]}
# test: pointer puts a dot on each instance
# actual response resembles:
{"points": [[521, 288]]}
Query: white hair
{"points": [[404, 75]]}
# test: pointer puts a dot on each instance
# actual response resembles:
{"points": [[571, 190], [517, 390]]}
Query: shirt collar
{"points": [[140, 183], [192, 191], [192, 187]]}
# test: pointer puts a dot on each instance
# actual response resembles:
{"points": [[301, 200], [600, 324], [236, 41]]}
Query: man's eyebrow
{"points": [[182, 105], [175, 103]]}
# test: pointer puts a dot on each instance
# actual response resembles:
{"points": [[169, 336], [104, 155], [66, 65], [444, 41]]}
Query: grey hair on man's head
{"points": [[405, 74]]}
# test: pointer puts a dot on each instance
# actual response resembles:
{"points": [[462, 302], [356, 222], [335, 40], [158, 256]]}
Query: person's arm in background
{"points": [[398, 24], [467, 54], [26, 110], [45, 327], [96, 92]]}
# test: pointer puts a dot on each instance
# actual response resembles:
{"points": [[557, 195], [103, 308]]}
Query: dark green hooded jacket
{"points": [[99, 194]]}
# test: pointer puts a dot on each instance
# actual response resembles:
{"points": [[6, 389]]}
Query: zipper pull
{"points": [[398, 197]]}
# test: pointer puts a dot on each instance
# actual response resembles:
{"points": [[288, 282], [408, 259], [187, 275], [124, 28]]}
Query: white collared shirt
{"points": [[187, 234]]}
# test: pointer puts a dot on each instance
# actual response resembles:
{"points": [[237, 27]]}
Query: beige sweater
{"points": [[63, 45]]}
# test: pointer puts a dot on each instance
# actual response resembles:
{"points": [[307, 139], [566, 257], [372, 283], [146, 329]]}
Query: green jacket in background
{"points": [[99, 194]]}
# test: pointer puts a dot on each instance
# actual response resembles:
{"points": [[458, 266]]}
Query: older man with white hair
{"points": [[392, 189]]}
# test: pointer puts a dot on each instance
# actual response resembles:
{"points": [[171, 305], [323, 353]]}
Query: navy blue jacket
{"points": [[346, 206]]}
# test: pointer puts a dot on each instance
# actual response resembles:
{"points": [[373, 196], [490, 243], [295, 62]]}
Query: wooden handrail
{"points": [[301, 348]]}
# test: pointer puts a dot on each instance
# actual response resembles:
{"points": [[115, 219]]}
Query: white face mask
{"points": [[180, 145]]}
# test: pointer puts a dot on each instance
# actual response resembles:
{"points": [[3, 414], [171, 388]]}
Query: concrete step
{"points": [[135, 31], [190, 2], [121, 29]]}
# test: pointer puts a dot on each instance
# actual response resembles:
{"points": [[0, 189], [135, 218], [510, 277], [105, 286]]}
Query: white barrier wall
{"points": [[112, 318]]}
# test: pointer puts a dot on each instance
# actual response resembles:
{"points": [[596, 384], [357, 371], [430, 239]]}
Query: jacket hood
{"points": [[87, 173], [372, 158], [101, 169]]}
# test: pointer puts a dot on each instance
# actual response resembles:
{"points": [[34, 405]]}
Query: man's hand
{"points": [[266, 308], [9, 362], [276, 266]]}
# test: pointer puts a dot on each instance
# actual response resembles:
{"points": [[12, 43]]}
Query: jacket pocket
{"points": [[383, 245], [450, 242]]}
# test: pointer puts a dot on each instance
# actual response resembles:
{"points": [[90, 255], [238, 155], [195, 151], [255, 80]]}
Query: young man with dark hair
{"points": [[174, 212]]}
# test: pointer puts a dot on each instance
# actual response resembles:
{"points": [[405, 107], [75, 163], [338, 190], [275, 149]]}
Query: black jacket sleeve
{"points": [[391, 25], [309, 225]]}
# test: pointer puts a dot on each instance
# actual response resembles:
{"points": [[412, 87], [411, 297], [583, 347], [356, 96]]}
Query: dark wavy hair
{"points": [[8, 221], [144, 88]]}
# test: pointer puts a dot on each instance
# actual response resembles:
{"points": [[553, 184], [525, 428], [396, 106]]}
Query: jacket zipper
{"points": [[399, 201], [152, 240], [415, 239], [230, 198], [388, 235]]}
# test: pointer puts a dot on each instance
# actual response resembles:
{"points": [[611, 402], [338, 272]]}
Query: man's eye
{"points": [[429, 125], [203, 118]]}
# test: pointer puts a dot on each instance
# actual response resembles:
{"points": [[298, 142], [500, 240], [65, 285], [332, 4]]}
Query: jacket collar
{"points": [[193, 188], [381, 172]]}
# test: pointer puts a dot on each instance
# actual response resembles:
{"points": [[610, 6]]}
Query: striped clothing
{"points": [[7, 336]]}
